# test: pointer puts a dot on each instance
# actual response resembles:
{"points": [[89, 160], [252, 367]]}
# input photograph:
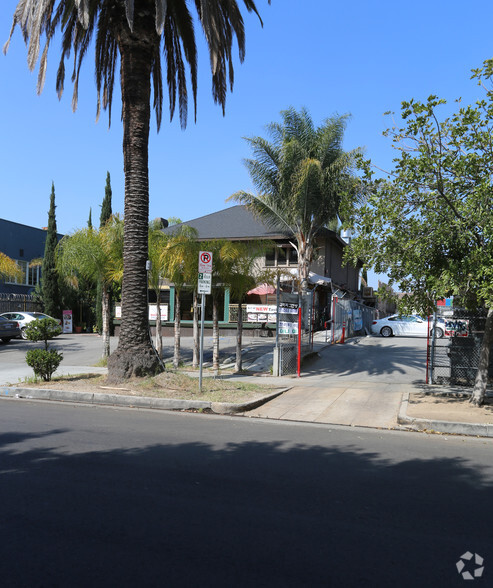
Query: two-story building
{"points": [[23, 244], [237, 223]]}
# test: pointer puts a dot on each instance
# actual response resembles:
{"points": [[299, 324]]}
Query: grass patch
{"points": [[169, 384]]}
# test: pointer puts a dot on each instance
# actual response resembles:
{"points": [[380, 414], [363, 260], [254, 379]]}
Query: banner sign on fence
{"points": [[288, 318], [261, 313], [456, 327]]}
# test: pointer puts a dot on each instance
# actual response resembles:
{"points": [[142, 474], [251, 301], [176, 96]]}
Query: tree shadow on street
{"points": [[273, 513]]}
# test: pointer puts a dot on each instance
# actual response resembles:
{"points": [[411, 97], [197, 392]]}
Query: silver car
{"points": [[24, 318]]}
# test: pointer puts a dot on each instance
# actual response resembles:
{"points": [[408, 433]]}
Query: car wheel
{"points": [[439, 333], [23, 333], [386, 332], [6, 339]]}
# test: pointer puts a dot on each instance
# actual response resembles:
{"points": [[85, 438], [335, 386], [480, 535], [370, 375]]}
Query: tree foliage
{"points": [[96, 256], [301, 176], [49, 273], [8, 268], [43, 361], [136, 37], [429, 224]]}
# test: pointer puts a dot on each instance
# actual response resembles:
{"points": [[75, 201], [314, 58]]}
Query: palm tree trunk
{"points": [[135, 355], [159, 339], [176, 352], [215, 335], [196, 334], [105, 312], [479, 390], [239, 332]]}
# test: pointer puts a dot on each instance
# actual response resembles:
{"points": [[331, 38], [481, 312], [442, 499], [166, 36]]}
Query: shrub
{"points": [[42, 330], [44, 362]]}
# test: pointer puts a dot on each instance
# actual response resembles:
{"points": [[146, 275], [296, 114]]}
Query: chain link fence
{"points": [[350, 318], [454, 358]]}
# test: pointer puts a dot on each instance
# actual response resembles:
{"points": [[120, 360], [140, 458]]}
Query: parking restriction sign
{"points": [[205, 262]]}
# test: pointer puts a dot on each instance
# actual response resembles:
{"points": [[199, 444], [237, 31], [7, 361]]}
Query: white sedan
{"points": [[24, 318], [406, 326]]}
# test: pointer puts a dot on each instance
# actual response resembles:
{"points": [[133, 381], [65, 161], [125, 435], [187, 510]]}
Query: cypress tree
{"points": [[89, 220], [103, 219], [49, 275], [106, 205]]}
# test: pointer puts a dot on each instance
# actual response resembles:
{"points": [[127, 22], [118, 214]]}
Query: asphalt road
{"points": [[113, 497]]}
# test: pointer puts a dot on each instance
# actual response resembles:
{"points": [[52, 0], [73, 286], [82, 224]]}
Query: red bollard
{"points": [[343, 331]]}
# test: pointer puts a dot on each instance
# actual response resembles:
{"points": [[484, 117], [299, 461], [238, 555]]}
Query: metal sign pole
{"points": [[201, 361]]}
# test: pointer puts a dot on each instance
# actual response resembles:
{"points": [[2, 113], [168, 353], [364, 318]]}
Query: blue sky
{"points": [[358, 57]]}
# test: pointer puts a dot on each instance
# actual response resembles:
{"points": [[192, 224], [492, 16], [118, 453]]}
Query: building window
{"points": [[30, 275], [270, 257], [283, 255], [33, 276]]}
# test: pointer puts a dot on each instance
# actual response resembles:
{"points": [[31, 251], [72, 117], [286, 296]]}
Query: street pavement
{"points": [[105, 496]]}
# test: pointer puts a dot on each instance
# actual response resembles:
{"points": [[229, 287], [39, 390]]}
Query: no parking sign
{"points": [[205, 262]]}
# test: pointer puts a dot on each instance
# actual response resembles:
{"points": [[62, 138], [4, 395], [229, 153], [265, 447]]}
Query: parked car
{"points": [[8, 329], [24, 318], [406, 326]]}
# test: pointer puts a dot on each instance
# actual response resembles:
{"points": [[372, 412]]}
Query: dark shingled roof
{"points": [[236, 222]]}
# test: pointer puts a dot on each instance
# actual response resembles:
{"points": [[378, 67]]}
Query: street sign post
{"points": [[204, 283], [204, 287]]}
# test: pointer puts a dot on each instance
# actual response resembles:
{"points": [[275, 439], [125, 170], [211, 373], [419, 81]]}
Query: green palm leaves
{"points": [[160, 28], [301, 176]]}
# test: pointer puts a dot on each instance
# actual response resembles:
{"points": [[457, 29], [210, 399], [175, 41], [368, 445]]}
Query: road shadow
{"points": [[245, 514]]}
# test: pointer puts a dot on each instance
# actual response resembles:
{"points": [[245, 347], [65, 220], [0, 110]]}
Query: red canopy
{"points": [[263, 289]]}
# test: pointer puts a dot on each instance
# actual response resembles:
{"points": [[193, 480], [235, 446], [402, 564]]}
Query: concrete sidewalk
{"points": [[358, 404]]}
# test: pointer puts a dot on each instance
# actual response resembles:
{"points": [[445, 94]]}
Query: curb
{"points": [[102, 399], [451, 427]]}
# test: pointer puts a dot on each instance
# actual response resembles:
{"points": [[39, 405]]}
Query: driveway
{"points": [[359, 383]]}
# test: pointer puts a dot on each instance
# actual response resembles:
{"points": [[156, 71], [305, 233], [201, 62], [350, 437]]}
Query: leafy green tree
{"points": [[132, 35], [49, 273], [8, 268], [104, 217], [429, 224], [95, 255], [43, 361], [301, 177]]}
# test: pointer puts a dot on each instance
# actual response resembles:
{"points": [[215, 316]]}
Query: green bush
{"points": [[44, 362], [42, 330]]}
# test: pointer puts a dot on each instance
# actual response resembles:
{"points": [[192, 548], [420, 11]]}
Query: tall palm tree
{"points": [[136, 32], [97, 256], [301, 177]]}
